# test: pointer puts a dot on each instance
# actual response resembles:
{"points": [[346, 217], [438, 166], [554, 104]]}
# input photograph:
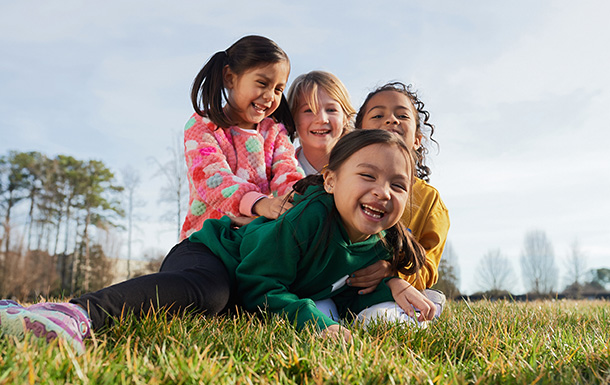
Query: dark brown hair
{"points": [[208, 92], [423, 171], [408, 255]]}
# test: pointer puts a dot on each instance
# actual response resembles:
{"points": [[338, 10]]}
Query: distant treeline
{"points": [[49, 208]]}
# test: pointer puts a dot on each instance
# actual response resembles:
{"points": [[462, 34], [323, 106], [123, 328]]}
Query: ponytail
{"points": [[408, 256], [310, 180], [208, 90], [283, 115]]}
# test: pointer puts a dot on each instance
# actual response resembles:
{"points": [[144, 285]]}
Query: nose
{"points": [[267, 95], [382, 191], [391, 120], [322, 116]]}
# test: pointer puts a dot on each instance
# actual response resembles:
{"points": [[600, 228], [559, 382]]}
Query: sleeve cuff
{"points": [[247, 202]]}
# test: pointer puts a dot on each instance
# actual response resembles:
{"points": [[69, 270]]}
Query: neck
{"points": [[233, 118], [317, 158]]}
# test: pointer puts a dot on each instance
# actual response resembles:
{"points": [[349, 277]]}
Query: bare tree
{"points": [[538, 263], [175, 190], [495, 272], [576, 269], [131, 181]]}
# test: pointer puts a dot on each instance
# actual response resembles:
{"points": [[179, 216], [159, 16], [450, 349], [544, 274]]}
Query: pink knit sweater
{"points": [[230, 168]]}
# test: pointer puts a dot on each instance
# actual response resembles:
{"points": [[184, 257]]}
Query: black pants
{"points": [[191, 278]]}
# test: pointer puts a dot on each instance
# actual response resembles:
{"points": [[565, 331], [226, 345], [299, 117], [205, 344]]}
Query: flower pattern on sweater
{"points": [[224, 164]]}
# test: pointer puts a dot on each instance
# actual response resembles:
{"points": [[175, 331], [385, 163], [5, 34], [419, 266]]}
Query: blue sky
{"points": [[519, 93]]}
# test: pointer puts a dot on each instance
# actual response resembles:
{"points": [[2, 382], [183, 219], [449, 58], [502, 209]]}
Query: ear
{"points": [[417, 143], [346, 126], [330, 177], [228, 77]]}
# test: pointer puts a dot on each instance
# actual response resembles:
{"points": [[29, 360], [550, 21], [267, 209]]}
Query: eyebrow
{"points": [[369, 165], [267, 78], [386, 107]]}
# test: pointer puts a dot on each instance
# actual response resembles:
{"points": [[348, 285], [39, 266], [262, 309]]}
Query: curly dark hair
{"points": [[422, 170]]}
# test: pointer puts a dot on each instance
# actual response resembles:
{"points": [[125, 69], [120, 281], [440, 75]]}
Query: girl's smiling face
{"points": [[370, 190], [319, 130], [393, 111], [254, 94]]}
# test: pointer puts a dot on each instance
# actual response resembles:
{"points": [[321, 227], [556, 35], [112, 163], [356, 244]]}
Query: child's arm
{"points": [[409, 299], [271, 208], [208, 170], [369, 277]]}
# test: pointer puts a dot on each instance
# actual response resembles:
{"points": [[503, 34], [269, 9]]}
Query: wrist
{"points": [[396, 283], [248, 201], [257, 209]]}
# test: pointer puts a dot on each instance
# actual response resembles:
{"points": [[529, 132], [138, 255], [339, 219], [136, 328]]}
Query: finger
{"points": [[432, 312], [347, 335], [406, 306], [378, 269], [427, 309], [241, 221], [367, 290], [364, 283], [285, 207], [364, 271]]}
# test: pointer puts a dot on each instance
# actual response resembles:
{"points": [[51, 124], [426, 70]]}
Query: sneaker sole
{"points": [[19, 322], [5, 304]]}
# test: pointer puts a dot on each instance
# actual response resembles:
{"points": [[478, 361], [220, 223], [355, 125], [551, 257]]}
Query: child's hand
{"points": [[370, 276], [271, 208], [240, 221], [407, 297], [336, 332]]}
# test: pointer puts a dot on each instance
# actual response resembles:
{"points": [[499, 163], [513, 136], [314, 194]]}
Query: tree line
{"points": [[61, 201], [539, 273]]}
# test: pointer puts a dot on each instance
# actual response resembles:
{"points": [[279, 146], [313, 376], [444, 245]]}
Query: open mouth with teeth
{"points": [[320, 132], [372, 211], [259, 108]]}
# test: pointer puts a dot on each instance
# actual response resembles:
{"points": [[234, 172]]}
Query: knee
{"points": [[217, 297]]}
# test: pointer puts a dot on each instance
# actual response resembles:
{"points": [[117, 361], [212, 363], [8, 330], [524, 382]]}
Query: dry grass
{"points": [[552, 342]]}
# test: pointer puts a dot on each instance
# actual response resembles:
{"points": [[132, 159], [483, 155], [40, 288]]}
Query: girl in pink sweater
{"points": [[239, 157]]}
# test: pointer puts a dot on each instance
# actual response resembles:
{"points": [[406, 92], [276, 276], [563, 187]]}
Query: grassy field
{"points": [[551, 342]]}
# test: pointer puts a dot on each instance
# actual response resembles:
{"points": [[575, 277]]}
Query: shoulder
{"points": [[198, 121], [201, 129], [425, 194], [421, 188]]}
